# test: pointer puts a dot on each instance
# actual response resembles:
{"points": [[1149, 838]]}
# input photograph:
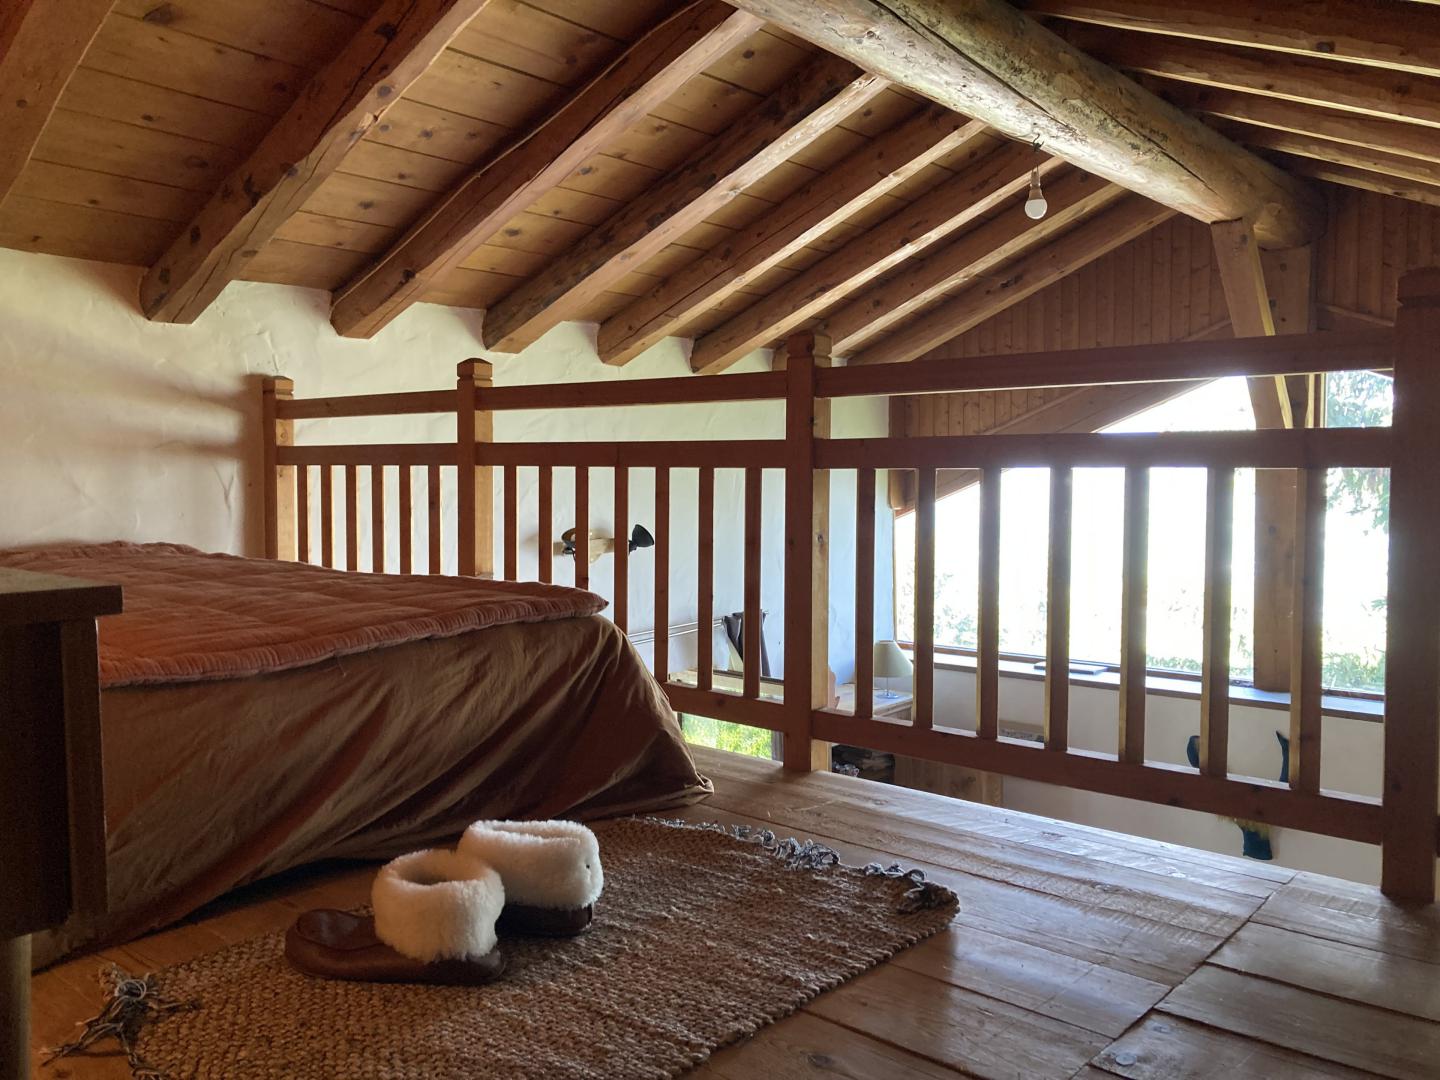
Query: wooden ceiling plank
{"points": [[1349, 176], [992, 62], [964, 198], [805, 216], [1018, 280], [814, 100], [972, 255], [41, 44], [1392, 34], [1353, 129], [1389, 95], [305, 147], [479, 208]]}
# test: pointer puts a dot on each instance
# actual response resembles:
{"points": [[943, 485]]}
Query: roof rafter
{"points": [[643, 77], [41, 45], [1378, 161], [343, 100], [973, 254], [801, 218], [992, 62], [951, 205], [1014, 282], [1391, 34], [806, 106], [1349, 176]]}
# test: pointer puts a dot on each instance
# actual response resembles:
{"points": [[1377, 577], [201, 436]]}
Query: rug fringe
{"points": [[134, 1003]]}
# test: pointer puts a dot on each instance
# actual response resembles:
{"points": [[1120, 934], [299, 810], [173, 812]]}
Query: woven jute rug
{"points": [[703, 936]]}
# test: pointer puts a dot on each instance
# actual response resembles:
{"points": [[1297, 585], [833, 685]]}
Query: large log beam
{"points": [[338, 106], [1392, 34], [41, 44], [648, 73], [859, 180], [811, 103], [1015, 281], [968, 196], [990, 61]]}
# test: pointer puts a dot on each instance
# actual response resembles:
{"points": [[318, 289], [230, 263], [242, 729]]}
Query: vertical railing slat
{"points": [[620, 607], [1215, 660], [750, 657], [434, 537], [582, 526], [662, 574], [1307, 652], [987, 629], [407, 521], [1057, 613], [510, 510], [352, 518], [545, 525], [705, 581], [377, 519], [327, 516], [923, 682], [1134, 598], [864, 593], [302, 513]]}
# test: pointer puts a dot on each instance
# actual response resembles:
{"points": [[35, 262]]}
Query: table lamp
{"points": [[890, 662]]}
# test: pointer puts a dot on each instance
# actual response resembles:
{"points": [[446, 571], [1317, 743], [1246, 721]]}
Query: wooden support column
{"points": [[1412, 675], [476, 483], [278, 482], [807, 553]]}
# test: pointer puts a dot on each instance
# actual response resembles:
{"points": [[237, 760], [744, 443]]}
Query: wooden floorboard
{"points": [[1076, 953]]}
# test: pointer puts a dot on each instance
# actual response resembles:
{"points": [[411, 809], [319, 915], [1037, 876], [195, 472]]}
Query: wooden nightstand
{"points": [[52, 800]]}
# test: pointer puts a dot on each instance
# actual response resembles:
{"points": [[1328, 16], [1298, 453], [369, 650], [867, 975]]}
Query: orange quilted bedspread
{"points": [[191, 616]]}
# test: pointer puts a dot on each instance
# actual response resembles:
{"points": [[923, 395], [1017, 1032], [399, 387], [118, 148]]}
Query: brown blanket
{"points": [[213, 784]]}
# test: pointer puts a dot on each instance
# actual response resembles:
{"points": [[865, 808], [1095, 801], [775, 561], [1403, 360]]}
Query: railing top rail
{"points": [[1268, 449], [408, 403], [752, 386], [724, 454], [1189, 361]]}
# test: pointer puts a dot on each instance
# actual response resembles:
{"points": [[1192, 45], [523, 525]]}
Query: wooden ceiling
{"points": [[696, 170]]}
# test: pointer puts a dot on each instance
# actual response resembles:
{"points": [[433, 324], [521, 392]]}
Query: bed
{"points": [[260, 715]]}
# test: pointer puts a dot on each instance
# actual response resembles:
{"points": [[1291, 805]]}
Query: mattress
{"points": [[367, 749]]}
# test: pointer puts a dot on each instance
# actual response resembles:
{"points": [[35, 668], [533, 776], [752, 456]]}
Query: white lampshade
{"points": [[1035, 204], [890, 661]]}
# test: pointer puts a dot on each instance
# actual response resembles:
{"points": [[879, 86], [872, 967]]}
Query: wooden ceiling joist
{"points": [[803, 217], [343, 100], [1395, 96], [639, 81], [1349, 176], [994, 63], [1378, 161], [1013, 283], [806, 106], [41, 43], [970, 256], [1393, 34], [951, 205]]}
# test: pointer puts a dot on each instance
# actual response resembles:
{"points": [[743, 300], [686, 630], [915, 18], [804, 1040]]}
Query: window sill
{"points": [[1343, 706]]}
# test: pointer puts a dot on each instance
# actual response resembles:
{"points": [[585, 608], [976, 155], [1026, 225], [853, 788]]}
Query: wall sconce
{"points": [[602, 545]]}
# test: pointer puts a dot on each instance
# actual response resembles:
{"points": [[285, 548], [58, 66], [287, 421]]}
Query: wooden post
{"points": [[1134, 599], [279, 480], [1057, 608], [476, 483], [987, 623], [1215, 659], [15, 1007], [807, 552], [1412, 669]]}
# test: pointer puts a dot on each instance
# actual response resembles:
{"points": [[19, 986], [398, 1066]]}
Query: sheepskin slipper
{"points": [[551, 871], [435, 922]]}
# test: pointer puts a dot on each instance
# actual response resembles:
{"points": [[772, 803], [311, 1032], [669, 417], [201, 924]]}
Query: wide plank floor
{"points": [[1076, 953]]}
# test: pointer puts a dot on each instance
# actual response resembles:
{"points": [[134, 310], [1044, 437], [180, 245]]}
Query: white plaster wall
{"points": [[112, 427]]}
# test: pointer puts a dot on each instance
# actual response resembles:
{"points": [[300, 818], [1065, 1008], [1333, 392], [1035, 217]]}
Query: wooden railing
{"points": [[1403, 821]]}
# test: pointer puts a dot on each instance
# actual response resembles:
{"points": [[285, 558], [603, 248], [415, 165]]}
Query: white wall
{"points": [[112, 427]]}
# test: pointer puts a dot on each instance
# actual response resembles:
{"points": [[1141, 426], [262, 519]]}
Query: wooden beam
{"points": [[343, 100], [1336, 125], [640, 80], [800, 219], [804, 108], [1366, 181], [1015, 281], [964, 198], [1237, 256], [1390, 34], [41, 43], [990, 61], [1336, 153], [1370, 92], [970, 256]]}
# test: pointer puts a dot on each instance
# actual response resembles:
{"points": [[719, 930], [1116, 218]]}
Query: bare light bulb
{"points": [[1035, 204]]}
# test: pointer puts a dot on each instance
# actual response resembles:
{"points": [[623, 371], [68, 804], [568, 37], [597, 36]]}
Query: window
{"points": [[1356, 549]]}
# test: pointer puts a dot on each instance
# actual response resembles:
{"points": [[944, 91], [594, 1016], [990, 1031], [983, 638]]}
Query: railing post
{"points": [[807, 552], [279, 480], [475, 483], [1412, 667]]}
